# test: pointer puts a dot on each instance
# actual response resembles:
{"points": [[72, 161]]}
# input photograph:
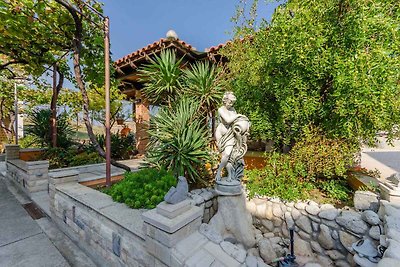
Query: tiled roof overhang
{"points": [[136, 57]]}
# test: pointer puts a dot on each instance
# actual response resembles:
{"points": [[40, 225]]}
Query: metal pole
{"points": [[54, 108], [107, 98], [16, 112]]}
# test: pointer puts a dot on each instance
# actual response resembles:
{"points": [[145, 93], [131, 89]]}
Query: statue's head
{"points": [[228, 99]]}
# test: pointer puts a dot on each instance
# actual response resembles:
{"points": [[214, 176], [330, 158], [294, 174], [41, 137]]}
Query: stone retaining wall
{"points": [[321, 231], [111, 233]]}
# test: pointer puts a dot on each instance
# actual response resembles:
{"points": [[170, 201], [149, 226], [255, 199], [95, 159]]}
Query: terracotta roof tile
{"points": [[147, 49]]}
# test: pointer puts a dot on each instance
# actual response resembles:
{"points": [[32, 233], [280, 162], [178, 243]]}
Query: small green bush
{"points": [[86, 158], [28, 141], [280, 178], [335, 189], [324, 157], [121, 147], [62, 158], [143, 189]]}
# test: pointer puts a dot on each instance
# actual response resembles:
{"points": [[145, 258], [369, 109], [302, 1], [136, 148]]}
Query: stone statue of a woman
{"points": [[231, 135]]}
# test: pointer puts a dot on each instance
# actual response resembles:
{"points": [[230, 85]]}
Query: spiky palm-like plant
{"points": [[203, 82], [162, 78], [40, 129], [179, 140]]}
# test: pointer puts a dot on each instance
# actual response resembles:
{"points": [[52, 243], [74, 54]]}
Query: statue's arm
{"points": [[227, 115]]}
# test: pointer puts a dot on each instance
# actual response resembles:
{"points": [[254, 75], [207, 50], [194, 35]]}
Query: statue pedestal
{"points": [[234, 220], [225, 188]]}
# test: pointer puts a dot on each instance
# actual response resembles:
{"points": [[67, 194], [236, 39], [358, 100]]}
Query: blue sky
{"points": [[201, 23]]}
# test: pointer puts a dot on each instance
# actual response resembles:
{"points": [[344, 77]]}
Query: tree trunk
{"points": [[77, 45], [53, 105]]}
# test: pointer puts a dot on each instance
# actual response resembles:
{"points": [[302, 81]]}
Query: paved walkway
{"points": [[22, 241]]}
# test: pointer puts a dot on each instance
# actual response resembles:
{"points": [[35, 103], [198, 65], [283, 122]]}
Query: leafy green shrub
{"points": [[62, 158], [143, 189], [86, 158], [40, 128], [179, 140], [315, 162], [281, 178], [121, 147], [323, 157], [336, 189], [58, 157], [27, 141]]}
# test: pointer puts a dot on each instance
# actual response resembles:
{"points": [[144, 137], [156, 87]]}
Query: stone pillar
{"points": [[142, 122], [168, 224], [12, 152], [37, 175]]}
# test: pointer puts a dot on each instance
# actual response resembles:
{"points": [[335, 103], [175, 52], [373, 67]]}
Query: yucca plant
{"points": [[179, 140], [162, 78], [40, 129], [203, 82]]}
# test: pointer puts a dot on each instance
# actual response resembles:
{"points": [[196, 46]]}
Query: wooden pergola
{"points": [[127, 72]]}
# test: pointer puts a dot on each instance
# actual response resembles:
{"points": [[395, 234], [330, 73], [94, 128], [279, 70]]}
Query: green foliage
{"points": [[332, 64], [58, 157], [336, 189], [203, 82], [324, 157], [179, 140], [121, 147], [40, 129], [85, 158], [162, 78], [28, 141], [165, 81], [67, 157], [280, 178], [315, 162], [143, 189]]}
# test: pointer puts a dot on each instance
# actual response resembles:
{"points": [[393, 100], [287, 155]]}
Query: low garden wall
{"points": [[111, 233]]}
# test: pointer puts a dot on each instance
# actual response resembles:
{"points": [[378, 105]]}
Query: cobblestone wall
{"points": [[390, 214], [205, 198]]}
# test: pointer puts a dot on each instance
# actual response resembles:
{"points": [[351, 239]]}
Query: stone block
{"points": [[200, 258], [171, 239], [173, 210], [188, 246], [219, 254], [174, 224], [158, 250], [389, 193], [12, 152], [365, 200]]}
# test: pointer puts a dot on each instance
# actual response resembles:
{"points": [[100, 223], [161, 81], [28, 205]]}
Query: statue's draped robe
{"points": [[236, 136]]}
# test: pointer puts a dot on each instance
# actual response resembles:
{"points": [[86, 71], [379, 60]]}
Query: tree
{"points": [[37, 30], [331, 64]]}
